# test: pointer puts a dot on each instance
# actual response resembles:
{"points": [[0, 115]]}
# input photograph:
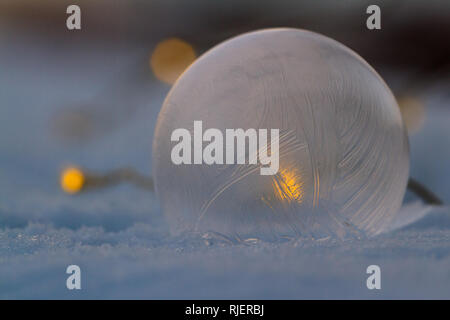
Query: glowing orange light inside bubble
{"points": [[289, 185]]}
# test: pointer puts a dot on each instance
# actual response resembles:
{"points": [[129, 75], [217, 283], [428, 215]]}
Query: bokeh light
{"points": [[74, 125], [72, 180], [413, 113], [170, 58]]}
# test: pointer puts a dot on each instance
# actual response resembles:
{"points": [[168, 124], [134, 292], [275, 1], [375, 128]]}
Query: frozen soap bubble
{"points": [[343, 150]]}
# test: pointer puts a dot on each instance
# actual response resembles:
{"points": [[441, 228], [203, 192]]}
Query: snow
{"points": [[119, 237], [143, 262]]}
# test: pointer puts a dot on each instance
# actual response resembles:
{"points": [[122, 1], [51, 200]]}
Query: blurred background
{"points": [[89, 98]]}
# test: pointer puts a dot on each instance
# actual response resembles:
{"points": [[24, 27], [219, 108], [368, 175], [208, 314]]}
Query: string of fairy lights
{"points": [[168, 60]]}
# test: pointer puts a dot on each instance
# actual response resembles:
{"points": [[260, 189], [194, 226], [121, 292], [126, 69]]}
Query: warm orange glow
{"points": [[72, 180], [413, 113], [170, 58], [288, 185]]}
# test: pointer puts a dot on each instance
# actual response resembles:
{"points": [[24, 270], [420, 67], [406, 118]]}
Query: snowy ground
{"points": [[118, 236], [141, 262]]}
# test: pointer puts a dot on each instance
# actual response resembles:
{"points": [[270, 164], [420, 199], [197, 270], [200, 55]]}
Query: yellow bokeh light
{"points": [[170, 58], [413, 113], [289, 185], [72, 180]]}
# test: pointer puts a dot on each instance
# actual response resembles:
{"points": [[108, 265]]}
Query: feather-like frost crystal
{"points": [[343, 149]]}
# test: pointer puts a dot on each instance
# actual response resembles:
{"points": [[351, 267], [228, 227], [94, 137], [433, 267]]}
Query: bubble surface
{"points": [[343, 149]]}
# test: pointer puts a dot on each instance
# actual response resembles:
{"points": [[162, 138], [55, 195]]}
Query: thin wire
{"points": [[427, 195], [132, 176]]}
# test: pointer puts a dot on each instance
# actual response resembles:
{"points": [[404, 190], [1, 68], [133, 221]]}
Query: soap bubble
{"points": [[343, 149]]}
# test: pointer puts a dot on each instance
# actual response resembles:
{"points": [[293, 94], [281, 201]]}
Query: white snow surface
{"points": [[143, 262]]}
